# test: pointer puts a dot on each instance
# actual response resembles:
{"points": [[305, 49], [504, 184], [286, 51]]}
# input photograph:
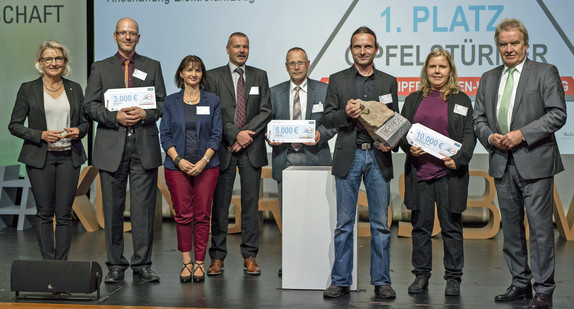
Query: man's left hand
{"points": [[512, 139], [317, 138]]}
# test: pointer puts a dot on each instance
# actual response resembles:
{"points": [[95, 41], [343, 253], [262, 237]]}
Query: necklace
{"points": [[52, 90], [190, 102]]}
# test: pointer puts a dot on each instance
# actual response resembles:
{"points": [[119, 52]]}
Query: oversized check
{"points": [[291, 131], [119, 98], [432, 142]]}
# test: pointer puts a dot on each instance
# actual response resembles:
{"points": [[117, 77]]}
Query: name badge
{"points": [[254, 90], [461, 110], [203, 110], [317, 108], [387, 98], [139, 74]]}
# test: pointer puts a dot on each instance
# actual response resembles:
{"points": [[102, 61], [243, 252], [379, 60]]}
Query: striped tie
{"points": [[297, 105], [240, 100], [505, 102]]}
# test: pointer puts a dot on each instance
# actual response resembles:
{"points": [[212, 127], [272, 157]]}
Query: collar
{"points": [[303, 85], [518, 67], [232, 67], [123, 59]]}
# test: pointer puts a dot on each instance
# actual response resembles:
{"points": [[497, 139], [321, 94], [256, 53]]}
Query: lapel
{"points": [[139, 64], [38, 92], [452, 121], [226, 72], [377, 91], [199, 120], [116, 71], [179, 110], [71, 98], [352, 84], [310, 98], [526, 69], [284, 108], [248, 84], [494, 94]]}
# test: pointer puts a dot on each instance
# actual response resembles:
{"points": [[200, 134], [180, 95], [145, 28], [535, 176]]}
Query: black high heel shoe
{"points": [[196, 266], [184, 279]]}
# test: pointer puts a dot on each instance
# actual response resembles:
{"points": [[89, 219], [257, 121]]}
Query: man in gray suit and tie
{"points": [[126, 145], [358, 158], [245, 109], [519, 106], [299, 98]]}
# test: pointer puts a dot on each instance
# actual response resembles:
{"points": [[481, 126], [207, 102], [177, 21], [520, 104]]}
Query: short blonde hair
{"points": [[52, 45]]}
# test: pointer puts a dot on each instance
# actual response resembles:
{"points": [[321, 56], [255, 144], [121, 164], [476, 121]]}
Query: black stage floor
{"points": [[485, 275]]}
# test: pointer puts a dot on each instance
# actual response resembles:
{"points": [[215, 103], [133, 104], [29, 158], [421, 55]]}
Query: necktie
{"points": [[297, 114], [240, 100], [505, 102], [297, 105], [126, 72]]}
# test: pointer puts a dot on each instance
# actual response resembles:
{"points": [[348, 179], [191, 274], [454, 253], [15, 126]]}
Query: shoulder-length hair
{"points": [[52, 45], [452, 83], [185, 63]]}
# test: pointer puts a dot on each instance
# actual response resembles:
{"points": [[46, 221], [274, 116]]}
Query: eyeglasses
{"points": [[48, 60], [298, 63], [125, 33]]}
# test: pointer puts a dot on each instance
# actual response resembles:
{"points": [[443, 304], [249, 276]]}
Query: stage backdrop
{"points": [[406, 30], [24, 24]]}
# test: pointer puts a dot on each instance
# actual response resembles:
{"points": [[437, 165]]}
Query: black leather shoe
{"points": [[420, 284], [515, 293], [114, 276], [335, 291], [541, 301], [385, 291], [146, 275], [452, 287]]}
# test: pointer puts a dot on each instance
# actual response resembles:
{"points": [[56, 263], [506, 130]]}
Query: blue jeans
{"points": [[364, 166]]}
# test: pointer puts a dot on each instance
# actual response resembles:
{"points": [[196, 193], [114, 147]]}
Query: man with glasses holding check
{"points": [[127, 145]]}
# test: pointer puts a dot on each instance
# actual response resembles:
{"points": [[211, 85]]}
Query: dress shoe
{"points": [[215, 268], [250, 266], [185, 279], [146, 275], [420, 284], [515, 293], [541, 301], [452, 287], [335, 291], [385, 291], [114, 276], [198, 266]]}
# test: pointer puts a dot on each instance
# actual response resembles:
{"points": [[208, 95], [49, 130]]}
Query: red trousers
{"points": [[192, 197]]}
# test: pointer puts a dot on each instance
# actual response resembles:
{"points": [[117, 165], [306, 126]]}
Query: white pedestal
{"points": [[309, 221]]}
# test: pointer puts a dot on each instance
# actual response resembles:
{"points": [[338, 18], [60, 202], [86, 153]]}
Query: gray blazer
{"points": [[539, 111], [30, 104], [110, 135], [257, 112], [342, 87], [317, 155]]}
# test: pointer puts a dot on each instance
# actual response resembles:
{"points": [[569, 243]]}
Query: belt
{"points": [[59, 148], [365, 146]]}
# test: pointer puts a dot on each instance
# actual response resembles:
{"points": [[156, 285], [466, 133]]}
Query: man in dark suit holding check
{"points": [[245, 109], [127, 144], [519, 106], [357, 157]]}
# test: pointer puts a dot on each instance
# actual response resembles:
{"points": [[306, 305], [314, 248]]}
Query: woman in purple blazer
{"points": [[191, 131]]}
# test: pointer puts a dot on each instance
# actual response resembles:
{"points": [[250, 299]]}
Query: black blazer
{"points": [[257, 112], [459, 129], [111, 136], [30, 104], [342, 87]]}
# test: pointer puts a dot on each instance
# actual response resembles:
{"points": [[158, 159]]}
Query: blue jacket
{"points": [[172, 127]]}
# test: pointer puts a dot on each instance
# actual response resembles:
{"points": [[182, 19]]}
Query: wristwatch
{"points": [[206, 159]]}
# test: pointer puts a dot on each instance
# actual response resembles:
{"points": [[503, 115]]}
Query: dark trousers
{"points": [[192, 197], [250, 177], [54, 187], [143, 189], [422, 220], [516, 194]]}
